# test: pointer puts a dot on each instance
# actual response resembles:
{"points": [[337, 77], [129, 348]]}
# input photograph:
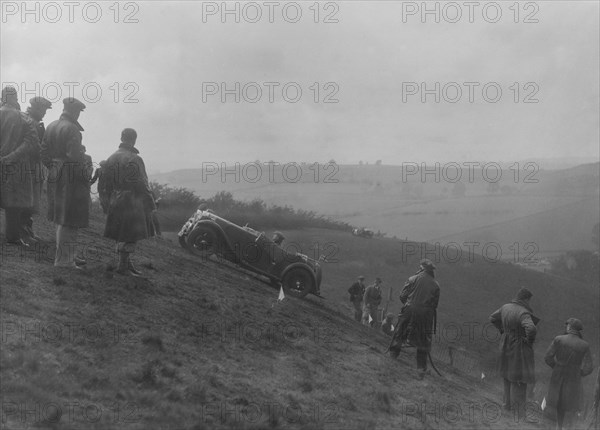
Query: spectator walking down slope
{"points": [[417, 318], [517, 325], [570, 359], [19, 151], [371, 302], [357, 291], [130, 201]]}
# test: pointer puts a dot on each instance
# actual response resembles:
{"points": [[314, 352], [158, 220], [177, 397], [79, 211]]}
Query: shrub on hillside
{"points": [[582, 265], [260, 216], [174, 197], [177, 204]]}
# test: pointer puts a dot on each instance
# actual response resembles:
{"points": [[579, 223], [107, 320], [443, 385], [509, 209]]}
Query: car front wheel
{"points": [[203, 241], [298, 282]]}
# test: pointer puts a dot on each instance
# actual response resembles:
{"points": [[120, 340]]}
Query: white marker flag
{"points": [[281, 295], [482, 375], [370, 319], [543, 406]]}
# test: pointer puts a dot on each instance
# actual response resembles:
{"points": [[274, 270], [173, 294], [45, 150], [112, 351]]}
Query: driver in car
{"points": [[278, 238]]}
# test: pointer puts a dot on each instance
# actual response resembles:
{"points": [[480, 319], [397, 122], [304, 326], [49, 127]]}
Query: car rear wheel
{"points": [[203, 241], [298, 282]]}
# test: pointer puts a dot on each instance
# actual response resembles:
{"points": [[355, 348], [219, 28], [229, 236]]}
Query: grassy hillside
{"points": [[472, 288], [202, 345]]}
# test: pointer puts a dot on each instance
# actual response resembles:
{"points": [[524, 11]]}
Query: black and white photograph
{"points": [[305, 215]]}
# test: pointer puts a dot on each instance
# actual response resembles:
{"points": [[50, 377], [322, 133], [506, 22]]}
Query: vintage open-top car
{"points": [[206, 234], [363, 232]]}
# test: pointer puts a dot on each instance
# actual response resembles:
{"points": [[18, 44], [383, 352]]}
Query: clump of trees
{"points": [[582, 265], [176, 205], [174, 197]]}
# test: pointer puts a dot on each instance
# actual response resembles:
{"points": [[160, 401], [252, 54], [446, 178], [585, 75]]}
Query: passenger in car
{"points": [[278, 238]]}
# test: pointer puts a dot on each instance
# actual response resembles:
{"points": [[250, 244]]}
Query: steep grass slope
{"points": [[473, 285], [201, 345]]}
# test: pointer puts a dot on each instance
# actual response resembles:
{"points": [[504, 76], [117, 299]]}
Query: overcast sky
{"points": [[369, 57]]}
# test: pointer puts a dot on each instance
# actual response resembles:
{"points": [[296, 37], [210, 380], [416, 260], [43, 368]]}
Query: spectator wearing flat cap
{"points": [[36, 112], [357, 291], [417, 318], [19, 147], [570, 359], [517, 325], [68, 180]]}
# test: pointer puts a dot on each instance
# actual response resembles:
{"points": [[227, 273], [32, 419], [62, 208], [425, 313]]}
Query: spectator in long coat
{"points": [[19, 147], [570, 358], [517, 325], [130, 201], [36, 112], [417, 319], [69, 172]]}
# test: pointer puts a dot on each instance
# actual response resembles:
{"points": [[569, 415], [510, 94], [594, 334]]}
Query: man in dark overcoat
{"points": [[517, 325], [417, 319], [19, 148], [68, 180], [36, 112], [130, 201], [357, 291], [570, 359]]}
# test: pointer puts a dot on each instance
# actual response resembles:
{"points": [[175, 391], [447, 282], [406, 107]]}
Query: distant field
{"points": [[553, 225], [554, 214]]}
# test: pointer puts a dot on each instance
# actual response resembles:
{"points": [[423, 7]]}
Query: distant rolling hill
{"points": [[549, 232], [556, 210]]}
